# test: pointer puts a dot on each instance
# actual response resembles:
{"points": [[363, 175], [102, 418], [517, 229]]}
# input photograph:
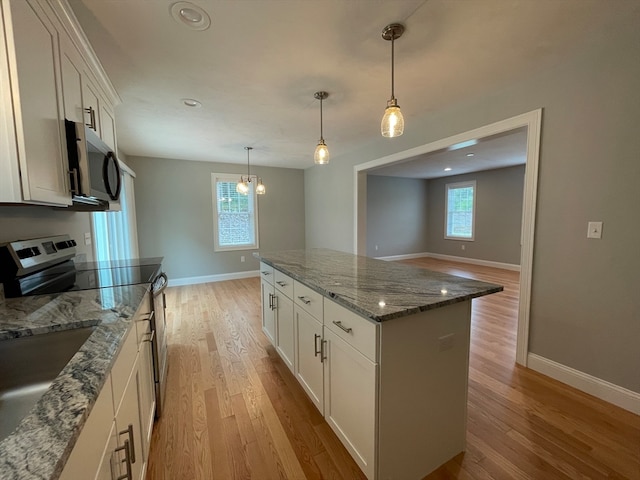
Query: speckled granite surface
{"points": [[41, 444], [376, 289]]}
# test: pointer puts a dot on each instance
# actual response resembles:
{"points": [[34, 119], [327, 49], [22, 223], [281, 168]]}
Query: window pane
{"points": [[236, 222], [460, 211]]}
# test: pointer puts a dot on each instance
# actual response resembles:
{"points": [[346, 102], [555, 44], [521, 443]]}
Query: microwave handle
{"points": [[105, 176]]}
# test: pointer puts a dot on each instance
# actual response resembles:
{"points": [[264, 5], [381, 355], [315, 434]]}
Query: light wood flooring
{"points": [[234, 411]]}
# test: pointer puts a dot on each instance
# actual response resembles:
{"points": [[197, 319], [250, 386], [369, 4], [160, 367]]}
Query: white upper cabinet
{"points": [[33, 65], [48, 72]]}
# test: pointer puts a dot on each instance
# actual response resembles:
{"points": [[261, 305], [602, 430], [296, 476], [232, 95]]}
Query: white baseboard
{"points": [[452, 258], [475, 261], [622, 397], [179, 282], [407, 256]]}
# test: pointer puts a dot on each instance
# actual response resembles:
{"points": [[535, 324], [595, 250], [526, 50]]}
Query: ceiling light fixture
{"points": [[244, 185], [392, 122], [321, 155], [191, 102], [193, 16]]}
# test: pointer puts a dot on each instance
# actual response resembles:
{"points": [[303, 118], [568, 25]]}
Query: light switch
{"points": [[87, 238], [594, 230]]}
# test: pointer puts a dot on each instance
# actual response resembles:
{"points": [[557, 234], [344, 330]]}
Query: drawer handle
{"points": [[274, 303], [282, 284], [315, 345], [305, 300], [323, 350], [266, 273], [342, 327], [132, 448], [151, 334], [126, 461]]}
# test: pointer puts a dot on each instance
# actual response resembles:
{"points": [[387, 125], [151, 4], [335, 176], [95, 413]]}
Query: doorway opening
{"points": [[531, 122]]}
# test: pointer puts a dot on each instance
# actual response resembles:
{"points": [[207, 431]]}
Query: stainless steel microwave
{"points": [[93, 166]]}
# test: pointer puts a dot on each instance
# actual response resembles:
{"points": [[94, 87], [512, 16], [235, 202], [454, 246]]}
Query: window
{"points": [[460, 210], [115, 236], [235, 223]]}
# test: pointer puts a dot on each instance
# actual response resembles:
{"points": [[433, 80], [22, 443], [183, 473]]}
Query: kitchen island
{"points": [[382, 350]]}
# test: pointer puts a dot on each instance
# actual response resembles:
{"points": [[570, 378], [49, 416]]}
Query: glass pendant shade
{"points": [[321, 155], [392, 124], [260, 188], [242, 187]]}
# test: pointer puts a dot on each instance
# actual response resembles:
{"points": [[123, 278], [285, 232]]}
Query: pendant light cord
{"points": [[393, 37], [321, 136]]}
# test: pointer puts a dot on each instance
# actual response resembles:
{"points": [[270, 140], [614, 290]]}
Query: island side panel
{"points": [[422, 410]]}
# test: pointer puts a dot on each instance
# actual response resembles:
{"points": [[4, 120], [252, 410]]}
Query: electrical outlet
{"points": [[376, 247], [87, 238], [462, 247], [594, 230], [242, 258]]}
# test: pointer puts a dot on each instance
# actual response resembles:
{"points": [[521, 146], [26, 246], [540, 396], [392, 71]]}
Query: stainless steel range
{"points": [[45, 265]]}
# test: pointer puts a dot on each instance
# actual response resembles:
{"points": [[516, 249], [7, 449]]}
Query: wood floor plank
{"points": [[233, 410]]}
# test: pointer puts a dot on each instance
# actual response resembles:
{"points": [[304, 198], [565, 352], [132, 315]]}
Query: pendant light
{"points": [[392, 122], [243, 186], [321, 155]]}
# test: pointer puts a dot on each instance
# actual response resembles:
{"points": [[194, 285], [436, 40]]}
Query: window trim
{"points": [[451, 186], [231, 177]]}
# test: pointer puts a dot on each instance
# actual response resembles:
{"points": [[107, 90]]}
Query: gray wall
{"points": [[585, 307], [498, 216], [21, 222], [397, 219], [174, 212]]}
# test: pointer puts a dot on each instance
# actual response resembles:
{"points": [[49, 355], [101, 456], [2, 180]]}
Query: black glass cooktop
{"points": [[65, 277]]}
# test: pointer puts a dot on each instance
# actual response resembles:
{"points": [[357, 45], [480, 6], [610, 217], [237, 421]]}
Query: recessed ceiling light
{"points": [[448, 169], [470, 154], [190, 102], [190, 15]]}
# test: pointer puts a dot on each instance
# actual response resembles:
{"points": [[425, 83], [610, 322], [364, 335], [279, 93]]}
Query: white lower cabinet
{"points": [[350, 399], [309, 370], [268, 310], [114, 442]]}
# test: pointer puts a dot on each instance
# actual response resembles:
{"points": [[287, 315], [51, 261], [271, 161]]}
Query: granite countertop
{"points": [[376, 289], [42, 442]]}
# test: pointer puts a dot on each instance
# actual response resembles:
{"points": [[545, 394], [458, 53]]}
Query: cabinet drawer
{"points": [[308, 299], [352, 328], [266, 272], [284, 283], [123, 365]]}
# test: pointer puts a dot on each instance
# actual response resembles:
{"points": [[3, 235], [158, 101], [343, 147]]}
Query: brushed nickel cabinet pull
{"points": [[316, 352], [92, 118], [266, 273], [342, 327], [126, 461], [323, 350], [74, 175], [275, 302], [305, 300], [132, 448], [281, 283], [271, 301]]}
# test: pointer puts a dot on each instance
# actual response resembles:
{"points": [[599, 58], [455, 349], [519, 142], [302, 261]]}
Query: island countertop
{"points": [[376, 289]]}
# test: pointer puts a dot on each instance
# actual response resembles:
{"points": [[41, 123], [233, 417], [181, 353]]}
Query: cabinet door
{"points": [[308, 363], [128, 423], [285, 329], [71, 67], [37, 102], [350, 399], [147, 394], [107, 469], [91, 103], [268, 312], [107, 125]]}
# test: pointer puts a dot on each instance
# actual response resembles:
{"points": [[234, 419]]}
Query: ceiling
{"points": [[488, 153], [256, 68]]}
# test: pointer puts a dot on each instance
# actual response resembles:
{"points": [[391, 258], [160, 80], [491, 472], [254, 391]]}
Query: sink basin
{"points": [[28, 366]]}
